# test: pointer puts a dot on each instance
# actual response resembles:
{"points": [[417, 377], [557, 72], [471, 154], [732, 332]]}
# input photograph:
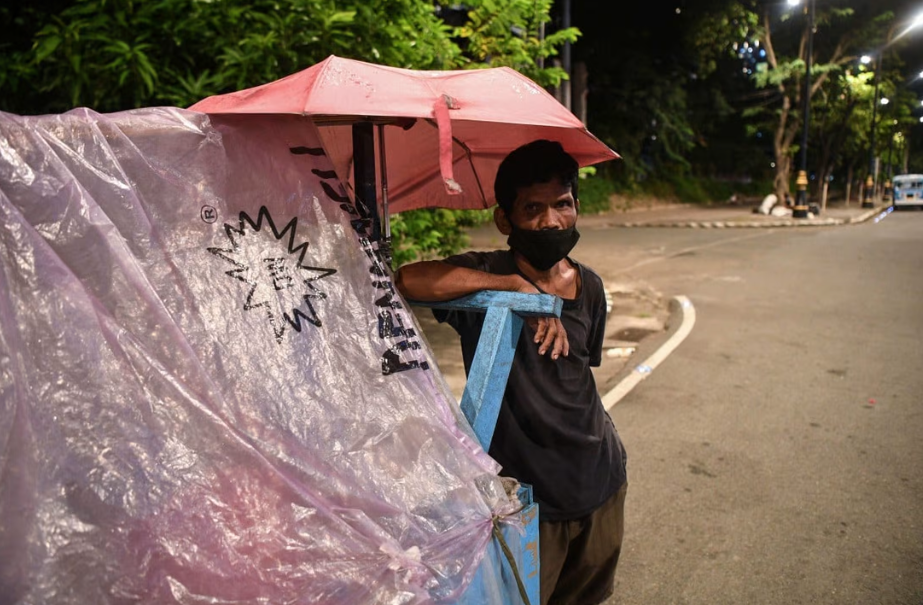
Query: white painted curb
{"points": [[642, 371]]}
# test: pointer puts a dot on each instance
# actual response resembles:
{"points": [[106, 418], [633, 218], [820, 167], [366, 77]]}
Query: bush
{"points": [[432, 232], [702, 190], [594, 191]]}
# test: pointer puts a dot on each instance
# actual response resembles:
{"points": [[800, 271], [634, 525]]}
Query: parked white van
{"points": [[908, 190]]}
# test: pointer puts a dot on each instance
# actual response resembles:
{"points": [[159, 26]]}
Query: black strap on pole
{"points": [[364, 175], [384, 245]]}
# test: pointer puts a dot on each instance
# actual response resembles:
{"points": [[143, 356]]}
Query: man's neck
{"points": [[562, 279]]}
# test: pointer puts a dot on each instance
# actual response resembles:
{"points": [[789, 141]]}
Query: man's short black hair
{"points": [[536, 162]]}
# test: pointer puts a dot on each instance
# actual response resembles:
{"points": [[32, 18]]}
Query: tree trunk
{"points": [[849, 182], [789, 123], [580, 91], [780, 182], [823, 171], [784, 159], [559, 89], [780, 148]]}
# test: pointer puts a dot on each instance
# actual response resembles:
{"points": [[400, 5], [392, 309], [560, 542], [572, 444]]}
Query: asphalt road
{"points": [[777, 455]]}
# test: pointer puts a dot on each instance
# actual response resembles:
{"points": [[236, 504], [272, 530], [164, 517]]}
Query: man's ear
{"points": [[502, 221], [577, 205]]}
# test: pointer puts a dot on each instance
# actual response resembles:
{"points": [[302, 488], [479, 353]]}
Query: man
{"points": [[552, 431]]}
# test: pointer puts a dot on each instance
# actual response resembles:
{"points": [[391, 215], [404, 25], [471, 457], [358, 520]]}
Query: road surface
{"points": [[777, 455]]}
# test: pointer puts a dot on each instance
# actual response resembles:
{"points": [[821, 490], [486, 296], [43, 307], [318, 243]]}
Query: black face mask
{"points": [[545, 248]]}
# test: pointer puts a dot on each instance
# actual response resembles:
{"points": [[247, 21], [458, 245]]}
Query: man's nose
{"points": [[550, 219]]}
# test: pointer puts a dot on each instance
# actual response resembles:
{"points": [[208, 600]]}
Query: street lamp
{"points": [[888, 192], [867, 201], [870, 179], [801, 201]]}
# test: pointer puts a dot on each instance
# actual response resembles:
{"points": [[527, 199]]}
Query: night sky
{"points": [[657, 27]]}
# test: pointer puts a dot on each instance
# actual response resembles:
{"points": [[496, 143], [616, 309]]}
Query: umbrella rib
{"points": [[477, 177]]}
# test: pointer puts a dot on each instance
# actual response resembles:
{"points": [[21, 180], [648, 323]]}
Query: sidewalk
{"points": [[639, 317], [725, 217]]}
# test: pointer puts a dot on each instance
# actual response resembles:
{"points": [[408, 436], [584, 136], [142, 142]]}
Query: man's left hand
{"points": [[550, 336]]}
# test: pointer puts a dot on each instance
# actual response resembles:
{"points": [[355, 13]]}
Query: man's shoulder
{"points": [[590, 277]]}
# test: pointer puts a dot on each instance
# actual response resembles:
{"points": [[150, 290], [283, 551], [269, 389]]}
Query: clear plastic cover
{"points": [[209, 390]]}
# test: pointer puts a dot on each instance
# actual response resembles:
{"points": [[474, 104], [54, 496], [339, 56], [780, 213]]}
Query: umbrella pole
{"points": [[385, 245], [364, 176]]}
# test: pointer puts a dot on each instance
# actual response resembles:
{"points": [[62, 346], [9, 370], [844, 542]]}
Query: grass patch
{"points": [[677, 188], [595, 192]]}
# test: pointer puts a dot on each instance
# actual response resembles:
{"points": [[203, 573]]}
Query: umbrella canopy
{"points": [[446, 133]]}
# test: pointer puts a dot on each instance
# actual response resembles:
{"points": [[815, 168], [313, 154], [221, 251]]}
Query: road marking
{"points": [[644, 369], [881, 216], [730, 240]]}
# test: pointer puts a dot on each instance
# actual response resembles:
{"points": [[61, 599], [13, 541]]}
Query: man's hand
{"points": [[435, 281], [550, 336], [549, 331]]}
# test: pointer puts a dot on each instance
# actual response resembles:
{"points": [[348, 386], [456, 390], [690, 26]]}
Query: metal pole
{"points": [[887, 191], [385, 244], [541, 39], [364, 175], [566, 58], [801, 203], [867, 201]]}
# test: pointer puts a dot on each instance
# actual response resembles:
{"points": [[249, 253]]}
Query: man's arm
{"points": [[432, 281]]}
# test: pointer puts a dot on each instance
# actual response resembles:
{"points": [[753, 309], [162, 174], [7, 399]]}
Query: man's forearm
{"points": [[431, 281]]}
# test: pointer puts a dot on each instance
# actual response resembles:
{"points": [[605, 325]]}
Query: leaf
{"points": [[46, 47]]}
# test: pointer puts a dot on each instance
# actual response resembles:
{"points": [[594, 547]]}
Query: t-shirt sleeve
{"points": [[598, 319]]}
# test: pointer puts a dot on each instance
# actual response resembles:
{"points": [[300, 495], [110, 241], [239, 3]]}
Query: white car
{"points": [[908, 190]]}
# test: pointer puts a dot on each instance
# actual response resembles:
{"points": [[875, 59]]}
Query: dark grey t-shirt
{"points": [[552, 431]]}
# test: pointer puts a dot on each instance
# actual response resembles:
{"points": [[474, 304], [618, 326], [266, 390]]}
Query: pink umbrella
{"points": [[468, 120]]}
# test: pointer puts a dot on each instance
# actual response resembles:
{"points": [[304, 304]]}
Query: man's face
{"points": [[540, 206]]}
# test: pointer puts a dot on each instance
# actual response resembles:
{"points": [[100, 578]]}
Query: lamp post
{"points": [[888, 191], [867, 201], [801, 201]]}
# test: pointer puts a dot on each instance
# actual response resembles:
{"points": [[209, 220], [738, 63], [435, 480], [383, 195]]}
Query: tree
{"points": [[119, 54], [782, 36], [113, 55], [638, 77], [839, 126]]}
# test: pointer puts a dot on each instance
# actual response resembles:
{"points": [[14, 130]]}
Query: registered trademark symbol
{"points": [[209, 214]]}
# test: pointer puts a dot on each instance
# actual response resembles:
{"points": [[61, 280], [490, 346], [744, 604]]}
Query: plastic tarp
{"points": [[209, 390]]}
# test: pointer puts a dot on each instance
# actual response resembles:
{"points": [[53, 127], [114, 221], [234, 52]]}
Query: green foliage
{"points": [[432, 232], [595, 191], [119, 54], [112, 55], [719, 191], [774, 108], [705, 191], [715, 34], [648, 124], [506, 33]]}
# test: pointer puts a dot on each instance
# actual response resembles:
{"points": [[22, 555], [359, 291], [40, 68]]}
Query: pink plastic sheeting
{"points": [[209, 392]]}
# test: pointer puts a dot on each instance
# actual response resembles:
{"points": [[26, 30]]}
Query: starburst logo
{"points": [[279, 283]]}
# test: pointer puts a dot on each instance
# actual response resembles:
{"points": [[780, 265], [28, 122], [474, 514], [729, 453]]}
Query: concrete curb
{"points": [[654, 350], [786, 222]]}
